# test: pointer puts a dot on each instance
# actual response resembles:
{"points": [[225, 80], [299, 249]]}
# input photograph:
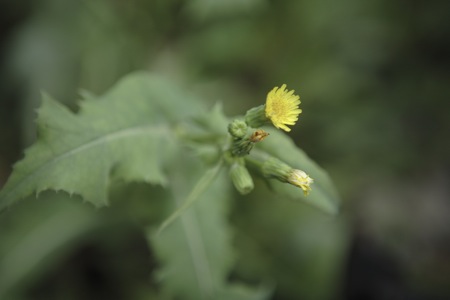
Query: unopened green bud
{"points": [[242, 147], [275, 168], [238, 129], [241, 178]]}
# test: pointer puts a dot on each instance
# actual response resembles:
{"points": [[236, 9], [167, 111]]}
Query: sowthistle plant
{"points": [[281, 109], [140, 131]]}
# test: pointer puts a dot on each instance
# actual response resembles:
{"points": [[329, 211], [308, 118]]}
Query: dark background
{"points": [[374, 80]]}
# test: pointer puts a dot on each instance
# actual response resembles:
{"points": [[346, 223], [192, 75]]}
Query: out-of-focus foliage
{"points": [[373, 79]]}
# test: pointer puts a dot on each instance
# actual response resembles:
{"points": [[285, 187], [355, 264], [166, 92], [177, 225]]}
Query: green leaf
{"points": [[33, 238], [195, 250], [205, 181], [323, 195], [125, 134]]}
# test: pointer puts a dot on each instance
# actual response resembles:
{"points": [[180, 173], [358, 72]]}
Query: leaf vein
{"points": [[123, 133]]}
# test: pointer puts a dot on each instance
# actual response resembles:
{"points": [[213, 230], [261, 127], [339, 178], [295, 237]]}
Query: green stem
{"points": [[256, 159]]}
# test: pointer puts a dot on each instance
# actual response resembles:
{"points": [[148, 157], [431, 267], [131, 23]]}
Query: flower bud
{"points": [[242, 147], [237, 129], [241, 178], [274, 168]]}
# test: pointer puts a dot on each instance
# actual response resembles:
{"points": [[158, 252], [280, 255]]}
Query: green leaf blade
{"points": [[202, 185], [195, 251], [126, 133]]}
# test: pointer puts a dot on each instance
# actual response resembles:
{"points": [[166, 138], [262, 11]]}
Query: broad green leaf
{"points": [[215, 121], [33, 238], [210, 127], [205, 181], [124, 134], [195, 250], [51, 244], [323, 195]]}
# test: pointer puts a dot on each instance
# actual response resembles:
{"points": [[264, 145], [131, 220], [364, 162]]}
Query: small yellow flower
{"points": [[282, 107], [300, 179]]}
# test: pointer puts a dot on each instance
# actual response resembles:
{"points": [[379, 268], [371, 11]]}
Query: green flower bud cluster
{"points": [[281, 109], [243, 141], [242, 144], [238, 129]]}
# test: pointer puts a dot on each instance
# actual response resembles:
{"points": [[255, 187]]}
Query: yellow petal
{"points": [[282, 107]]}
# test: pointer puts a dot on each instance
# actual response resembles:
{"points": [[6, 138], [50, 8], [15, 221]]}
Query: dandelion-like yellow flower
{"points": [[300, 179], [282, 107]]}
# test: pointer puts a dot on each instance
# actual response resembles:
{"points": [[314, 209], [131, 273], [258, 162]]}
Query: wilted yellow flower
{"points": [[300, 179], [258, 136], [272, 167], [282, 107]]}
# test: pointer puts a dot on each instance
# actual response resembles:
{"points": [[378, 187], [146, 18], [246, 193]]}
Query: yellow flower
{"points": [[282, 107], [300, 179]]}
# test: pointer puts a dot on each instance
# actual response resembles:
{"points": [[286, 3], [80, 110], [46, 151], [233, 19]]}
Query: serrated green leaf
{"points": [[125, 134], [323, 195]]}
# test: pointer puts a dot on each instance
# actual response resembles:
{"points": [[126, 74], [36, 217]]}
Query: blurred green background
{"points": [[374, 80]]}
